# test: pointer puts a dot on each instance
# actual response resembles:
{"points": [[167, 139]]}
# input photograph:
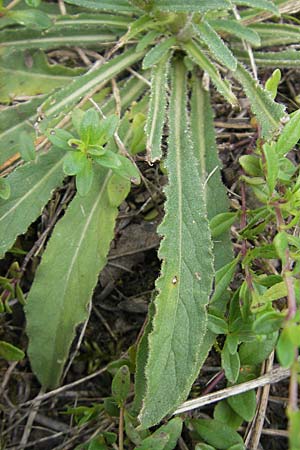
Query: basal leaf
{"points": [[259, 4], [237, 29], [267, 111], [185, 282], [158, 52], [10, 352], [276, 34], [191, 5], [70, 276], [14, 120], [216, 45], [31, 39], [69, 95], [199, 58], [30, 18], [157, 109], [283, 59], [172, 430], [216, 433], [105, 5], [27, 75], [31, 188]]}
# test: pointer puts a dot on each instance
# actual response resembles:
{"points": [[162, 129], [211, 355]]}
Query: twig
{"points": [[274, 376], [7, 376], [30, 420], [62, 7], [66, 387], [246, 45], [121, 429], [253, 438]]}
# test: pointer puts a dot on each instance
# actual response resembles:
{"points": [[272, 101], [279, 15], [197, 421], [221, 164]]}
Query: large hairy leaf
{"points": [[31, 188], [276, 34], [285, 59], [30, 75], [237, 29], [197, 55], [105, 5], [157, 109], [26, 39], [63, 100], [184, 286], [14, 120], [267, 111], [191, 5], [65, 279]]}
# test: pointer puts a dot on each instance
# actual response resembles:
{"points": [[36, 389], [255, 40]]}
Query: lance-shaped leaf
{"points": [[31, 75], [105, 5], [158, 52], [28, 39], [216, 45], [237, 29], [286, 59], [69, 95], [186, 276], [208, 165], [70, 277], [14, 120], [191, 5], [200, 59], [259, 4], [276, 34], [267, 111], [157, 109], [87, 20], [31, 188]]}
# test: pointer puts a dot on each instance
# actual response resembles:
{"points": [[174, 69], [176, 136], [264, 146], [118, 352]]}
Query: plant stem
{"points": [[121, 429]]}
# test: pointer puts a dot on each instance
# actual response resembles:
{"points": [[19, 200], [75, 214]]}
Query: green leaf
{"points": [[5, 189], [186, 275], [203, 446], [120, 387], [286, 59], [127, 170], [156, 53], [108, 159], [244, 404], [294, 430], [230, 364], [285, 349], [71, 277], [104, 5], [272, 165], [172, 430], [236, 28], [273, 34], [26, 147], [84, 178], [10, 352], [209, 166], [268, 322], [272, 83], [281, 244], [63, 101], [251, 165], [223, 278], [289, 136], [216, 45], [267, 112], [191, 5], [216, 433], [217, 325], [33, 3], [90, 129], [117, 189], [74, 162], [259, 4], [13, 121], [31, 18], [255, 352], [28, 74], [59, 138], [147, 40], [224, 413], [157, 109], [31, 188], [222, 222], [199, 58]]}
